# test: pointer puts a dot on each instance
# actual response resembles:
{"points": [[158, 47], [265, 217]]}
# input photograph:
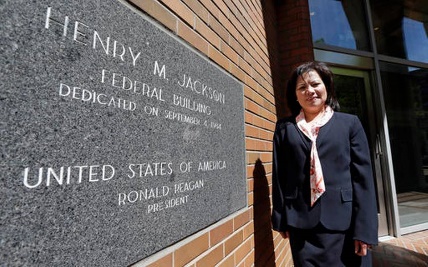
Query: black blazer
{"points": [[349, 200]]}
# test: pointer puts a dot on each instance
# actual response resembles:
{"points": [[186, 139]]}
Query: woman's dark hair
{"points": [[326, 76]]}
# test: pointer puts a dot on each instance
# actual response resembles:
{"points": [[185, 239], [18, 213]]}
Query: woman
{"points": [[323, 191]]}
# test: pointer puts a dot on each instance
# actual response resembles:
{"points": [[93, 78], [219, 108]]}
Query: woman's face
{"points": [[311, 92]]}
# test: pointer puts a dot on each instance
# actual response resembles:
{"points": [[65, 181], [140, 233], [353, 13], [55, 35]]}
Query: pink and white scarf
{"points": [[311, 130]]}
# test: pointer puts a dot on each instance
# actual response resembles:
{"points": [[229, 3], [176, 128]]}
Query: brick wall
{"points": [[294, 42], [241, 37]]}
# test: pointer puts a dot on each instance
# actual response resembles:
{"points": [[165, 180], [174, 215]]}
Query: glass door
{"points": [[405, 91], [353, 92]]}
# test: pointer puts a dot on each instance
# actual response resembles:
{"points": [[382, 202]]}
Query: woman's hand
{"points": [[361, 248], [284, 234]]}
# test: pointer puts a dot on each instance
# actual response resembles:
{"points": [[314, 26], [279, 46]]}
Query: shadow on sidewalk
{"points": [[387, 255]]}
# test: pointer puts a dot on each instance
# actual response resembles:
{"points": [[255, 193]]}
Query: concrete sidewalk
{"points": [[408, 250]]}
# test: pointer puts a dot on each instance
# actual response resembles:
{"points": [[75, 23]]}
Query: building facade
{"points": [[378, 52]]}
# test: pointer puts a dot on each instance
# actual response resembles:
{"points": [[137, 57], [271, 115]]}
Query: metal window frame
{"points": [[370, 61]]}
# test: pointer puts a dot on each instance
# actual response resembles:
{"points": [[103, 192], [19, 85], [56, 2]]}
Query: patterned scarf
{"points": [[311, 130]]}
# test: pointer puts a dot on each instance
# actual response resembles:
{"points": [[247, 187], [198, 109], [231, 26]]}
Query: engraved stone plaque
{"points": [[118, 140]]}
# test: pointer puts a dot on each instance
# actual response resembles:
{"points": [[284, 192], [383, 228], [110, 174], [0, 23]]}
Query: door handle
{"points": [[378, 149]]}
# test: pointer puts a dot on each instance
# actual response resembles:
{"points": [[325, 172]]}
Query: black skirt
{"points": [[322, 247]]}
